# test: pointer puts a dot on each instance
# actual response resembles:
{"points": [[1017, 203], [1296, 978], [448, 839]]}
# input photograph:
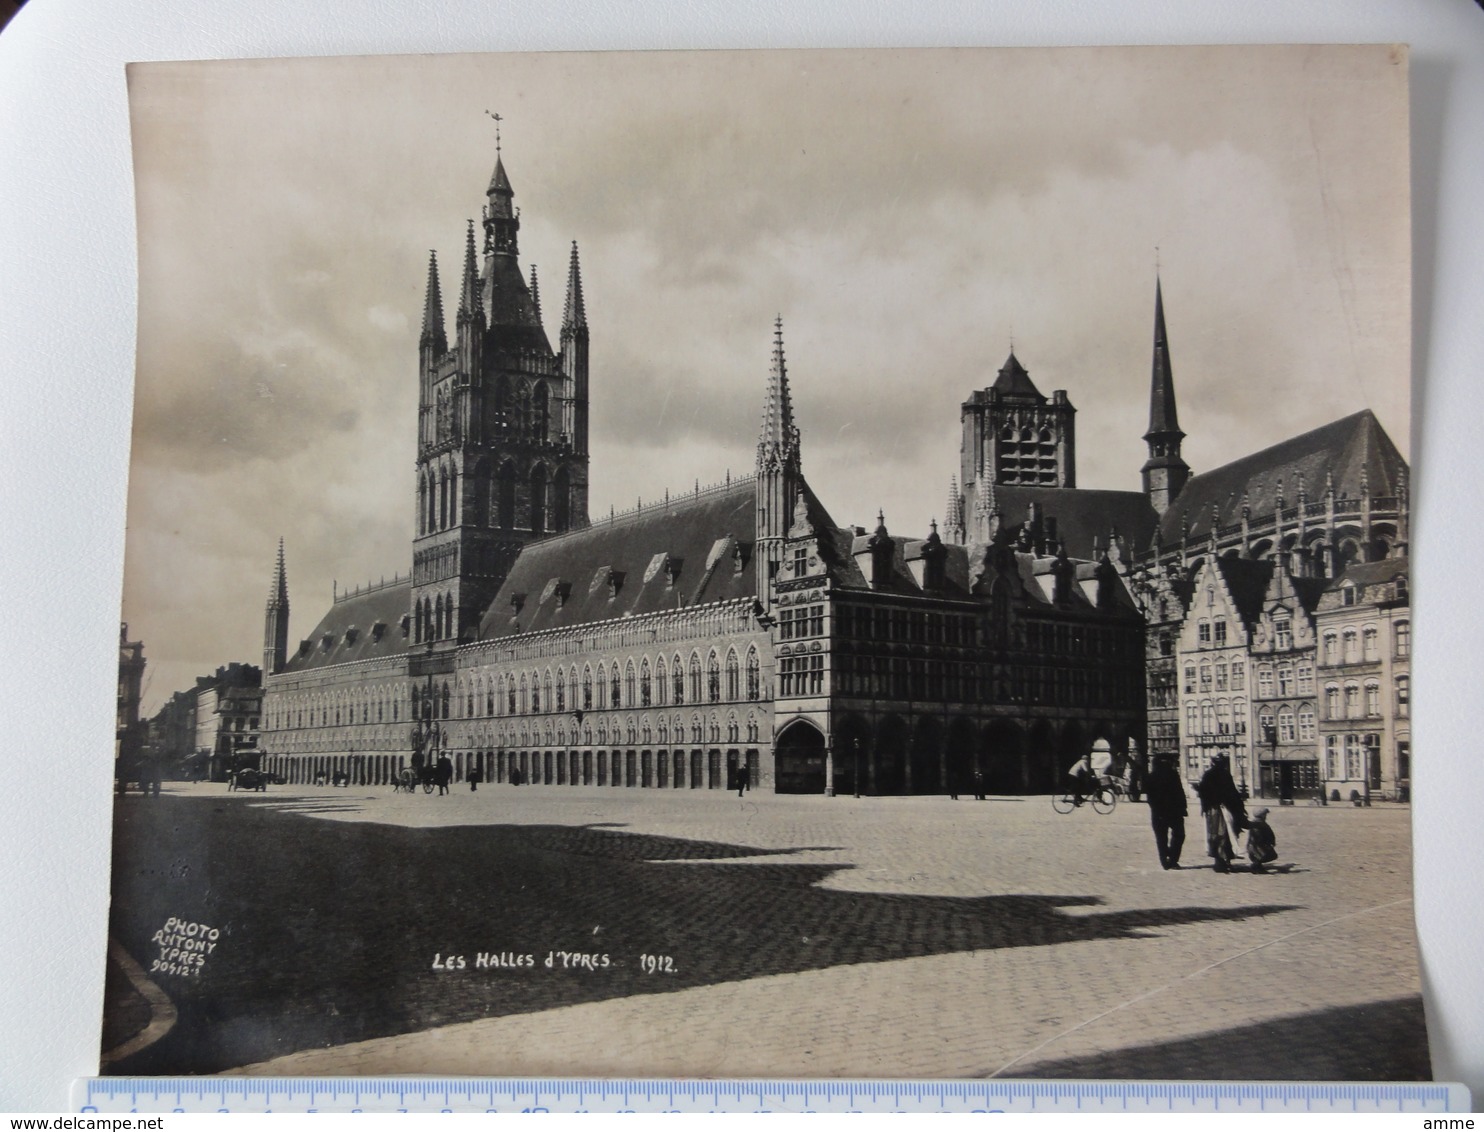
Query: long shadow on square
{"points": [[329, 931]]}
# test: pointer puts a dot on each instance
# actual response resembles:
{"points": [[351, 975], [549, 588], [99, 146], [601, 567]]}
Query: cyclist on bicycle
{"points": [[1082, 780]]}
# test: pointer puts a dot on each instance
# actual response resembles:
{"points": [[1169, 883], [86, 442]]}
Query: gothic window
{"points": [[438, 617], [1192, 722], [525, 701], [1403, 632], [443, 499], [1220, 629], [697, 731], [602, 690], [695, 678], [510, 707], [1239, 716], [1208, 718], [546, 691], [561, 501], [734, 732], [646, 684], [752, 730], [1189, 684], [615, 688], [444, 702], [587, 689], [677, 681], [1205, 678], [754, 675], [538, 499], [1203, 632], [468, 702], [660, 684], [422, 505], [630, 699], [505, 501], [561, 694], [713, 679], [734, 681], [1221, 676], [417, 623], [541, 414], [489, 702], [1223, 717]]}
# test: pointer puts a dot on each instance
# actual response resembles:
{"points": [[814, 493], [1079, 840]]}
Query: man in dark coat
{"points": [[1167, 809], [1217, 791], [444, 773]]}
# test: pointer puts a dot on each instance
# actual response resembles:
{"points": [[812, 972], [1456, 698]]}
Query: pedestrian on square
{"points": [[444, 773], [1262, 844], [741, 780], [476, 776], [1167, 809], [1217, 791], [978, 785]]}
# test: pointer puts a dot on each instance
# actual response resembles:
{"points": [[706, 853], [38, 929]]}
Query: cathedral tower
{"points": [[276, 620], [502, 426], [779, 478], [1164, 472]]}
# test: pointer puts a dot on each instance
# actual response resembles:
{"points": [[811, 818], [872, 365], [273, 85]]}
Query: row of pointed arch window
{"points": [[642, 731], [548, 497], [333, 709], [434, 619], [624, 685]]}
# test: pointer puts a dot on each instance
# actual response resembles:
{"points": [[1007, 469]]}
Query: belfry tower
{"points": [[1164, 472], [501, 426], [779, 477]]}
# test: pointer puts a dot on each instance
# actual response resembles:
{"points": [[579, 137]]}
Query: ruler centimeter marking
{"points": [[443, 1094]]}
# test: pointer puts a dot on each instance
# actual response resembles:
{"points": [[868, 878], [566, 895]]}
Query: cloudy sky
{"points": [[906, 213]]}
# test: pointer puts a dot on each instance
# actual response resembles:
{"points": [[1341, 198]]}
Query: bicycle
{"points": [[1101, 797]]}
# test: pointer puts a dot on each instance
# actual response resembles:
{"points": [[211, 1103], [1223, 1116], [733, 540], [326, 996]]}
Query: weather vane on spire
{"points": [[498, 120]]}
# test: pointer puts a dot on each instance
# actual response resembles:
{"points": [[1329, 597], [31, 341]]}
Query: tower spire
{"points": [[1164, 472], [433, 329], [276, 619], [574, 314], [779, 438], [953, 514], [470, 300], [535, 293]]}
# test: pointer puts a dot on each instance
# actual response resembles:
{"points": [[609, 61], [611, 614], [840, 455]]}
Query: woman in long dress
{"points": [[1217, 791]]}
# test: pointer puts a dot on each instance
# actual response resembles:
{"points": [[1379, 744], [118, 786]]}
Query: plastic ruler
{"points": [[439, 1094]]}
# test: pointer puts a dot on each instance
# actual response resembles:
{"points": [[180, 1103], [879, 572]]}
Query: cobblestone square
{"points": [[793, 936]]}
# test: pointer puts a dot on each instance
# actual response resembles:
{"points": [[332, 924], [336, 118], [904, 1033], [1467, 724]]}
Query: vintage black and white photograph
{"points": [[877, 563]]}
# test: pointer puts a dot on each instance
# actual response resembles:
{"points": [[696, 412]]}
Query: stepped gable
{"points": [[557, 581], [1247, 581], [1341, 449], [385, 606], [1082, 515]]}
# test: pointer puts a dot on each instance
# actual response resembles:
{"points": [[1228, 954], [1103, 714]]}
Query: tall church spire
{"points": [[1164, 472], [779, 439], [433, 329], [535, 293], [953, 515], [574, 314], [276, 619], [779, 480]]}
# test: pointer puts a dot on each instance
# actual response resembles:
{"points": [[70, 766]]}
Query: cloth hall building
{"points": [[736, 634]]}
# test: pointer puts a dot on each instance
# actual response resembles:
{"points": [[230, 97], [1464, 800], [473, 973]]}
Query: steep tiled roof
{"points": [[1014, 381], [514, 322], [1081, 515], [386, 606], [1341, 449], [565, 580]]}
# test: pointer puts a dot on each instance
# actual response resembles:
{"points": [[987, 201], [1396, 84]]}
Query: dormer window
{"points": [[351, 634], [378, 631], [405, 624], [327, 642], [801, 561], [1347, 595]]}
